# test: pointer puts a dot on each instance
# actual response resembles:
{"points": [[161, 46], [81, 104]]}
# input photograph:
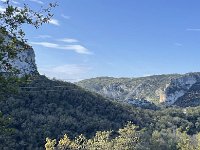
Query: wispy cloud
{"points": [[54, 22], [12, 1], [37, 1], [43, 36], [178, 44], [2, 9], [68, 40], [193, 29], [65, 16], [77, 48], [15, 2], [67, 72], [46, 44], [147, 75]]}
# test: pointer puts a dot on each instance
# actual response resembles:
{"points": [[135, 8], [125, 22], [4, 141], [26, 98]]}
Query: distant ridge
{"points": [[167, 89]]}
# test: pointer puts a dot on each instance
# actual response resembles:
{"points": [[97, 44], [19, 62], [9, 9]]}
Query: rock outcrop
{"points": [[179, 87], [158, 89], [23, 62]]}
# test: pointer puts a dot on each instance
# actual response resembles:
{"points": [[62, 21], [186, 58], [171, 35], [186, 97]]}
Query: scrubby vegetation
{"points": [[41, 108], [132, 88], [44, 108], [129, 138], [156, 89]]}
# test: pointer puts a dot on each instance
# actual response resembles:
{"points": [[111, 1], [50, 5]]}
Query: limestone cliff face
{"points": [[23, 62], [178, 87], [165, 89]]}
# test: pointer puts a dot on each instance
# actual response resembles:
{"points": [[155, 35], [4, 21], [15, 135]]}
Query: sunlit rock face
{"points": [[23, 62], [178, 87], [158, 89]]}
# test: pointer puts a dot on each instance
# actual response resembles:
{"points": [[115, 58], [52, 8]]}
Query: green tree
{"points": [[12, 40], [12, 35], [185, 141], [100, 141], [50, 144], [198, 141], [66, 143], [127, 139]]}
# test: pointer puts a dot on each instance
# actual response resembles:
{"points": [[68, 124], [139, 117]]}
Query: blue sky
{"points": [[119, 38]]}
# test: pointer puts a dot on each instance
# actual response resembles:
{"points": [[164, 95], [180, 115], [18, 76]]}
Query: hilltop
{"points": [[158, 89]]}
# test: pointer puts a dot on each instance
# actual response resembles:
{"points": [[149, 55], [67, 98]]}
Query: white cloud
{"points": [[12, 1], [68, 40], [2, 9], [46, 44], [15, 2], [67, 72], [147, 75], [37, 1], [77, 48], [54, 22], [193, 29], [43, 36], [65, 16]]}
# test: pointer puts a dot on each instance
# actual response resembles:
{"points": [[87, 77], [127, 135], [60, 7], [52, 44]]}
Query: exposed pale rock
{"points": [[165, 89], [23, 61]]}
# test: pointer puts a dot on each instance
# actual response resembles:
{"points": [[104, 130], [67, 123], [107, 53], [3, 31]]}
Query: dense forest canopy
{"points": [[43, 108]]}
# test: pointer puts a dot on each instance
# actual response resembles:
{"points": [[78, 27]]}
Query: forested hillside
{"points": [[44, 108], [41, 108], [130, 137], [91, 38]]}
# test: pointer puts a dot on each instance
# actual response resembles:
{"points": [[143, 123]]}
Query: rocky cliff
{"points": [[158, 89], [23, 62]]}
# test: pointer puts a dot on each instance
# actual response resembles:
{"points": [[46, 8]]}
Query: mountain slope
{"points": [[38, 107], [156, 89], [191, 98], [45, 108]]}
